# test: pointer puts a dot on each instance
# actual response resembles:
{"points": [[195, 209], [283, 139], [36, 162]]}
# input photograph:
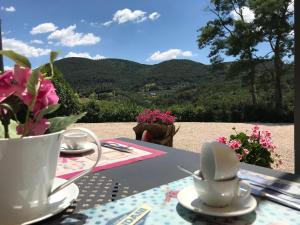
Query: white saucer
{"points": [[88, 147], [188, 198], [57, 202]]}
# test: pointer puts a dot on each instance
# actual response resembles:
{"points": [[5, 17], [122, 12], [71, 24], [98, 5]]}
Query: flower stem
{"points": [[26, 125], [30, 109]]}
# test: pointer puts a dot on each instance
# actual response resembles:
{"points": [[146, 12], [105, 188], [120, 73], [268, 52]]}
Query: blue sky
{"points": [[145, 31]]}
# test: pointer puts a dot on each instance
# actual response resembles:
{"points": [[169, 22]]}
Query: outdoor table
{"points": [[112, 184]]}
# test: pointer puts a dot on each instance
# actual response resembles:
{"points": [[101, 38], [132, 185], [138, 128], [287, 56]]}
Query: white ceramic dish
{"points": [[188, 198], [88, 147], [56, 202]]}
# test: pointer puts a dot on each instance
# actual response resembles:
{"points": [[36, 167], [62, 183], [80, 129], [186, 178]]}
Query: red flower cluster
{"points": [[155, 116]]}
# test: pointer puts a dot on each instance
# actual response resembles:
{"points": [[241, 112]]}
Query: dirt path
{"points": [[193, 134]]}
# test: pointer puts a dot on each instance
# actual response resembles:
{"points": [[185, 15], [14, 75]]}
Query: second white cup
{"points": [[75, 140], [218, 161]]}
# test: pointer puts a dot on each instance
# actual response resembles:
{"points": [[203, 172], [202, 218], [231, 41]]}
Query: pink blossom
{"points": [[222, 140], [239, 156], [46, 96], [34, 128], [266, 133], [255, 128], [21, 77], [155, 116], [235, 144], [6, 85], [245, 151]]}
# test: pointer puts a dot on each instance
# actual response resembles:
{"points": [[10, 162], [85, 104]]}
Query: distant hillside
{"points": [[168, 83], [85, 74]]}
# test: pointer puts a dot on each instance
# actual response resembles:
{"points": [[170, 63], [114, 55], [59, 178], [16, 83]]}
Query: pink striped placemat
{"points": [[69, 166]]}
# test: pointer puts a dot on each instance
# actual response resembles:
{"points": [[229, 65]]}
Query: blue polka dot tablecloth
{"points": [[165, 210]]}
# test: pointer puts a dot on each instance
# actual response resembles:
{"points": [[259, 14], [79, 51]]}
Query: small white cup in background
{"points": [[221, 193], [218, 161], [75, 140]]}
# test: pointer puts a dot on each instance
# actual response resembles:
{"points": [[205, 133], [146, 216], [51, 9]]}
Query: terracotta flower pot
{"points": [[156, 133]]}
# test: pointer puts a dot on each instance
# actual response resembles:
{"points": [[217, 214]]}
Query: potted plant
{"points": [[29, 140], [156, 127], [256, 148]]}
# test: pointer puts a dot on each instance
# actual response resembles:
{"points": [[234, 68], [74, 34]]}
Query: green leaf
{"points": [[12, 128], [61, 123], [33, 82], [19, 59], [48, 110]]}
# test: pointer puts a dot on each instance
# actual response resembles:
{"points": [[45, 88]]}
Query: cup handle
{"points": [[99, 150], [246, 186]]}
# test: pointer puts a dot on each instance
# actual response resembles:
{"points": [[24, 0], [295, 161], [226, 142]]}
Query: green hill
{"points": [[174, 83], [85, 74]]}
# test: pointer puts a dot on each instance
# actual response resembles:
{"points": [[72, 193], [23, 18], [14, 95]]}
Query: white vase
{"points": [[27, 171]]}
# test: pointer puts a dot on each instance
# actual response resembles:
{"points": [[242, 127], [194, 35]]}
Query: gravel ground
{"points": [[192, 135]]}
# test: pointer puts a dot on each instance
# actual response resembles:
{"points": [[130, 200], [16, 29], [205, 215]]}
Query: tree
{"points": [[68, 99], [275, 21], [232, 33]]}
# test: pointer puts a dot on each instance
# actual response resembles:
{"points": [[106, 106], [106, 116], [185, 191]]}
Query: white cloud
{"points": [[8, 67], [82, 20], [43, 28], [108, 23], [247, 13], [84, 55], [8, 9], [68, 37], [23, 48], [187, 54], [5, 32], [169, 54], [95, 24], [126, 15], [154, 16], [291, 6], [37, 42]]}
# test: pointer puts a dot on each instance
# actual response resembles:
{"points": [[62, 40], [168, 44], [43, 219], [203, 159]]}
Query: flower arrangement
{"points": [[26, 97], [156, 126], [256, 148], [155, 116]]}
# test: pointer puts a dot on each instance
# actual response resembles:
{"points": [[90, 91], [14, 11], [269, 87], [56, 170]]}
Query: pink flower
{"points": [[222, 140], [239, 156], [155, 116], [235, 144], [266, 133], [21, 77], [46, 96], [245, 151], [35, 128], [6, 85], [255, 128]]}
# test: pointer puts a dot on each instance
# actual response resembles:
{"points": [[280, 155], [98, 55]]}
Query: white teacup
{"points": [[221, 193], [27, 172], [75, 140], [218, 161]]}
